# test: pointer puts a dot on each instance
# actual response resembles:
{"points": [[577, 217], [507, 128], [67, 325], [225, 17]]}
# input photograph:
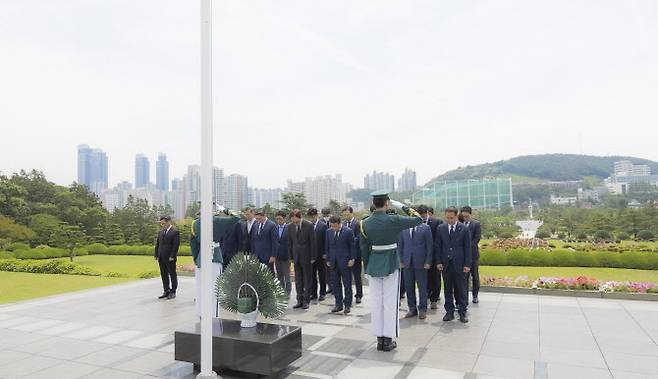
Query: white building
{"points": [[379, 181], [261, 196], [564, 200], [237, 191], [588, 195], [627, 168], [407, 181]]}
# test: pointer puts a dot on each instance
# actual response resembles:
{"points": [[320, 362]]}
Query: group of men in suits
{"points": [[435, 250]]}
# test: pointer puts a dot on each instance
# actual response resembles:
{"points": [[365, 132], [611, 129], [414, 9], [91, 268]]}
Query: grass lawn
{"points": [[618, 274], [131, 265], [15, 286]]}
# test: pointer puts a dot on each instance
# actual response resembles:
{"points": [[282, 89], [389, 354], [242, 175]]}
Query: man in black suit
{"points": [[452, 248], [475, 228], [433, 275], [326, 214], [320, 265], [246, 229], [357, 270], [166, 252], [303, 250]]}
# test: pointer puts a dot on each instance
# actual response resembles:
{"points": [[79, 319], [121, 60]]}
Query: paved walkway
{"points": [[125, 332]]}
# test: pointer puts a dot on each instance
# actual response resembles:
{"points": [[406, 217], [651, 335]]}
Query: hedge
{"points": [[7, 255], [51, 266], [29, 254], [132, 250], [567, 258], [18, 246]]}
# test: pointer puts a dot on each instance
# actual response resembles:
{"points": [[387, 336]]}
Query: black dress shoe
{"points": [[411, 314], [434, 305], [321, 298], [449, 317], [172, 295], [164, 295], [389, 344], [358, 300], [380, 343], [347, 310], [463, 318], [305, 306], [330, 291], [298, 305], [336, 309], [313, 297], [475, 300]]}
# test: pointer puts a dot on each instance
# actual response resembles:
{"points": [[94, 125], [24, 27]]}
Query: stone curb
{"points": [[572, 293]]}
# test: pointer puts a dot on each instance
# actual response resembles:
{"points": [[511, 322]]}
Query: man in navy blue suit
{"points": [[475, 228], [264, 239], [452, 249], [320, 266], [339, 245], [433, 275], [281, 253], [351, 222], [416, 248], [230, 243]]}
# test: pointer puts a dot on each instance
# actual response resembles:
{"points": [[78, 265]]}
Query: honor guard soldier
{"points": [[378, 240]]}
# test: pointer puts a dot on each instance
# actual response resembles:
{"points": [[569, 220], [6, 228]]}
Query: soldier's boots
{"points": [[380, 343], [389, 344]]}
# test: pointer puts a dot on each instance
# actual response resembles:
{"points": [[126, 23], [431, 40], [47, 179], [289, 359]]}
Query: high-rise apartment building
{"points": [[92, 168], [162, 173], [379, 181], [237, 191], [142, 171], [407, 181]]}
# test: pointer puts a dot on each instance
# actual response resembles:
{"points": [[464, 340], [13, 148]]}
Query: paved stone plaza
{"points": [[125, 332]]}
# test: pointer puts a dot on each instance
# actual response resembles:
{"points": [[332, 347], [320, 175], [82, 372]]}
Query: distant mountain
{"points": [[545, 167]]}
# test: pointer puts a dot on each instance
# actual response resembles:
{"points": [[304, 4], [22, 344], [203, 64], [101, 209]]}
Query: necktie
{"points": [[336, 237], [452, 229], [412, 232], [349, 224], [260, 227]]}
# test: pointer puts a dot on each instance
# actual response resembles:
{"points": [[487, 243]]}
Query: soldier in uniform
{"points": [[378, 240], [220, 226]]}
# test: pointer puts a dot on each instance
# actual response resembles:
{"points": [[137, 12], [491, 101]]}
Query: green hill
{"points": [[545, 167]]}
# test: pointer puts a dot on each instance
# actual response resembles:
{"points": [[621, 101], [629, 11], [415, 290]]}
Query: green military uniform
{"points": [[378, 242], [220, 226]]}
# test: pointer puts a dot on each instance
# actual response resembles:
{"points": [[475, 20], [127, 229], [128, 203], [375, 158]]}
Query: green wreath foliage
{"points": [[246, 268]]}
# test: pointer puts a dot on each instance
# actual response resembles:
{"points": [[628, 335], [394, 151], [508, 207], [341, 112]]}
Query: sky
{"points": [[307, 88]]}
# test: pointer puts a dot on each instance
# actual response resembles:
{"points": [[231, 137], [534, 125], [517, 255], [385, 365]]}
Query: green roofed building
{"points": [[487, 193]]}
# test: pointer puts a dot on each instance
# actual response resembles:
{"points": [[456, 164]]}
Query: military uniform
{"points": [[220, 226], [378, 241]]}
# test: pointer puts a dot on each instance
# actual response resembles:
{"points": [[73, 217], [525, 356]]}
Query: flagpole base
{"points": [[212, 375]]}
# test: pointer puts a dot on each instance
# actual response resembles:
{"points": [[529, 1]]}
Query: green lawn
{"points": [[618, 274], [131, 265], [15, 286]]}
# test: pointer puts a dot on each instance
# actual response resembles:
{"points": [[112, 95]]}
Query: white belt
{"points": [[215, 245], [384, 247]]}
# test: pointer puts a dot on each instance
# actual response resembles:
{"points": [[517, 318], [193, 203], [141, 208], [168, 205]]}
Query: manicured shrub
{"points": [[633, 259], [149, 274], [7, 255], [607, 259], [80, 251], [602, 235], [97, 248], [518, 257], [539, 258], [18, 246], [623, 236], [52, 252], [581, 236], [30, 254], [645, 235], [505, 235], [493, 258], [652, 261], [584, 259], [562, 258], [543, 234], [51, 266]]}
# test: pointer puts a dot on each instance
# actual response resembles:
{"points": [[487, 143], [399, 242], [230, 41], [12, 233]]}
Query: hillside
{"points": [[545, 167]]}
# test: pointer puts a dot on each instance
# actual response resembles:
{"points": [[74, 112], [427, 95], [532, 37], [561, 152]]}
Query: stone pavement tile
{"points": [[631, 375], [27, 366], [11, 339], [360, 334], [623, 345], [465, 345], [41, 344], [68, 370], [320, 329], [309, 340], [563, 371], [511, 337], [90, 332], [153, 341], [448, 359], [320, 364], [344, 347], [9, 356], [643, 364], [176, 370], [171, 348], [17, 321], [73, 349], [119, 337], [38, 326], [583, 358], [576, 341], [403, 354], [109, 373], [504, 367], [367, 369], [69, 327], [111, 356], [522, 351], [147, 363], [427, 372]]}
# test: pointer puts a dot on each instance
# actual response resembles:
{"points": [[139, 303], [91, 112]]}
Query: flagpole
{"points": [[206, 192]]}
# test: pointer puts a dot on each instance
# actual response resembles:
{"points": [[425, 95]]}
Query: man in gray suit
{"points": [[416, 248], [302, 247]]}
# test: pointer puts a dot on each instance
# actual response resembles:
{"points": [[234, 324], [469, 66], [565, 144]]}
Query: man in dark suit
{"points": [[416, 248], [246, 228], [339, 245], [264, 239], [452, 249], [320, 265], [475, 228], [357, 270], [166, 253], [433, 275], [281, 252], [326, 214], [230, 243], [303, 250]]}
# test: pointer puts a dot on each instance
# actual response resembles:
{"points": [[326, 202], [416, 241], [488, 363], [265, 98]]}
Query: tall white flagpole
{"points": [[206, 192]]}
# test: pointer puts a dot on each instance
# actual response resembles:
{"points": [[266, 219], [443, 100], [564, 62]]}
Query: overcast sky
{"points": [[306, 88]]}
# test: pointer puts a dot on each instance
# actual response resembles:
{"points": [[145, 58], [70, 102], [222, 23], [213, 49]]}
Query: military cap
{"points": [[380, 194]]}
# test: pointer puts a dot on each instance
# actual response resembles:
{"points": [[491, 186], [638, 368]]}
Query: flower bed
{"points": [[579, 283]]}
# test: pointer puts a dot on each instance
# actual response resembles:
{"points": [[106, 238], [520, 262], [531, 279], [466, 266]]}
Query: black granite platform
{"points": [[264, 350]]}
